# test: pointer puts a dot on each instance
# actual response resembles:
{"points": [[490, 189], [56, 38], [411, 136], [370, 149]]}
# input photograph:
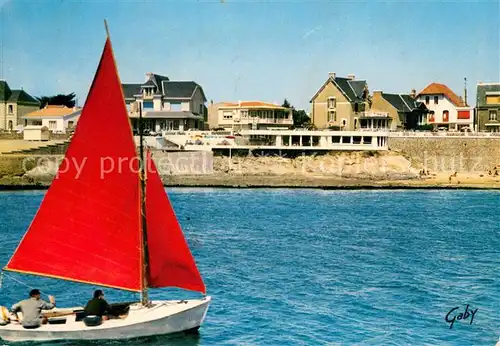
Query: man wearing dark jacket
{"points": [[97, 306]]}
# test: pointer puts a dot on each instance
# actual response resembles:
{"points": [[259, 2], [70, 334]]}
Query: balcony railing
{"points": [[372, 115], [263, 121]]}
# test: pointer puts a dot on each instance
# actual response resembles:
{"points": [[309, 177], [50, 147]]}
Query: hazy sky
{"points": [[252, 50]]}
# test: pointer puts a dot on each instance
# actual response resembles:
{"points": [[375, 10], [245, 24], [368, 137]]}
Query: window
{"points": [[70, 124], [436, 99], [332, 102], [227, 115], [332, 116], [201, 109], [493, 99], [493, 114], [244, 114], [25, 122], [149, 91], [52, 125], [430, 117], [147, 105], [10, 125], [356, 107], [175, 106], [11, 109], [427, 100], [446, 115]]}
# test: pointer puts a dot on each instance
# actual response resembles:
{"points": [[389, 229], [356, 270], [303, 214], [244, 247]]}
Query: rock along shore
{"points": [[355, 170]]}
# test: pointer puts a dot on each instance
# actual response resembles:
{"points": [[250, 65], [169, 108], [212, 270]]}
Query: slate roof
{"points": [[158, 80], [441, 89], [165, 87], [5, 91], [352, 89], [149, 83], [129, 90], [21, 96], [482, 89], [402, 102], [184, 89], [15, 96]]}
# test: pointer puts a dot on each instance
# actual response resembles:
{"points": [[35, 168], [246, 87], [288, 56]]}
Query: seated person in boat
{"points": [[32, 309], [98, 306]]}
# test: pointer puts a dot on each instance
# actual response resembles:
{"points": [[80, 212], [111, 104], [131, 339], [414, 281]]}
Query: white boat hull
{"points": [[164, 317]]}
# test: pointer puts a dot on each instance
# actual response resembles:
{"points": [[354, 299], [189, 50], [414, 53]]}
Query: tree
{"points": [[300, 117], [59, 99]]}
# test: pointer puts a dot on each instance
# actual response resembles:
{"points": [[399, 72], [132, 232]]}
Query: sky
{"points": [[252, 50]]}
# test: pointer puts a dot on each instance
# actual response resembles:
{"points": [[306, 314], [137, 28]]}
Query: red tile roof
{"points": [[441, 89], [251, 104], [53, 111]]}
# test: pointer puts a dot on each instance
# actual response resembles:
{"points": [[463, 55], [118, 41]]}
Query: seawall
{"points": [[449, 154], [473, 158]]}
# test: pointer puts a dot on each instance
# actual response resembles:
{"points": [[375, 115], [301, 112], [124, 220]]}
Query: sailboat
{"points": [[106, 220]]}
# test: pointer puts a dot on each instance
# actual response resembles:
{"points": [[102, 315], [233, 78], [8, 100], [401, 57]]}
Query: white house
{"points": [[58, 119], [248, 115], [165, 104], [446, 109]]}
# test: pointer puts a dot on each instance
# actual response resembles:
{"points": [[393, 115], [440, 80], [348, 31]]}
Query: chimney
{"points": [[332, 75], [351, 76], [413, 93]]}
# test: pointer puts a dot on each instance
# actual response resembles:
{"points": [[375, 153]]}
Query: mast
{"points": [[145, 252]]}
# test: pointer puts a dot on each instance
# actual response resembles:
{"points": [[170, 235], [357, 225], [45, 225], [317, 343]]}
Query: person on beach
{"points": [[98, 306], [32, 310]]}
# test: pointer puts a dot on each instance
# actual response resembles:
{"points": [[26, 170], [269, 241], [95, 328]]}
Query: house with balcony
{"points": [[488, 107], [446, 109], [166, 105], [404, 111], [57, 118], [249, 115], [14, 104], [340, 103]]}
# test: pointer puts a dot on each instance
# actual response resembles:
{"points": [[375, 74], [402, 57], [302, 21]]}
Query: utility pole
{"points": [[465, 90]]}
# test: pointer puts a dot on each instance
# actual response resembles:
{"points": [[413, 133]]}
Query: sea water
{"points": [[313, 267]]}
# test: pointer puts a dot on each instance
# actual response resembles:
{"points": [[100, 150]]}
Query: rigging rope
{"points": [[2, 273]]}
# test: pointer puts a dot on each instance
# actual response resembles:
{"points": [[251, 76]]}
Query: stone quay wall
{"points": [[449, 154]]}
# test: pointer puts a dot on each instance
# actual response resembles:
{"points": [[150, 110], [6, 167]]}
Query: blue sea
{"points": [[314, 267]]}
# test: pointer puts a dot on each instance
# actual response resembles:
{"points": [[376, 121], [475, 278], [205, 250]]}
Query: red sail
{"points": [[88, 226], [170, 261]]}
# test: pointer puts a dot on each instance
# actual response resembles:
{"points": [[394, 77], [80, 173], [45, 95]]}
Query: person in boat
{"points": [[98, 306], [32, 309]]}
